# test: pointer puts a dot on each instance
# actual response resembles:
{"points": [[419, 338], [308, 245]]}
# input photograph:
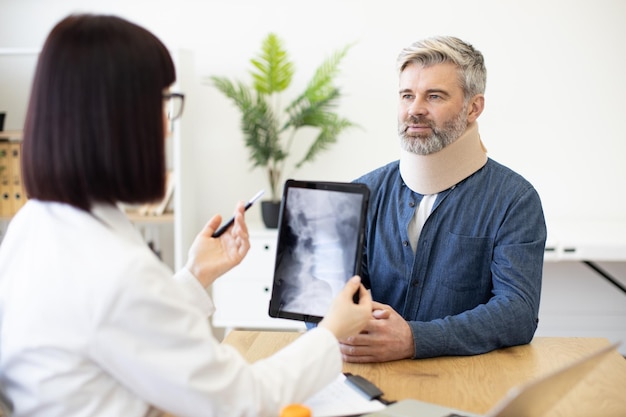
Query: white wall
{"points": [[555, 90]]}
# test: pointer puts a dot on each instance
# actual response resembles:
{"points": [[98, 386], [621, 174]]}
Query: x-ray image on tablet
{"points": [[319, 247]]}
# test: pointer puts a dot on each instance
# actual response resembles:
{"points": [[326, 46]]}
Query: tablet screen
{"points": [[319, 247]]}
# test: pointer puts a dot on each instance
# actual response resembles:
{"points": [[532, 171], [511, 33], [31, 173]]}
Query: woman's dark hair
{"points": [[94, 129]]}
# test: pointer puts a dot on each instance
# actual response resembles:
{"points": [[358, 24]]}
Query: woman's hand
{"points": [[211, 257], [345, 317]]}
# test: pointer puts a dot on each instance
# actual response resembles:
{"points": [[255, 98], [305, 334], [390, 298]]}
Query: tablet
{"points": [[320, 242]]}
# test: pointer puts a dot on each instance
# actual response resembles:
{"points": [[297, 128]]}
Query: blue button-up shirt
{"points": [[474, 281]]}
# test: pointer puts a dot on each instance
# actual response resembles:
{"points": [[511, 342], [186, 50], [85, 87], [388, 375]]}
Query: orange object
{"points": [[296, 410]]}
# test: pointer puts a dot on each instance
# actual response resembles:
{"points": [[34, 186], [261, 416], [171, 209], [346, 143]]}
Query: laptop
{"points": [[533, 399]]}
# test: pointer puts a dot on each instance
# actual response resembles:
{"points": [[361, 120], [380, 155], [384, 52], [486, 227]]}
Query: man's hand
{"points": [[386, 337]]}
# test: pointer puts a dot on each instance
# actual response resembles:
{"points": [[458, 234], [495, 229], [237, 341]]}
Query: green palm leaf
{"points": [[258, 122], [274, 71], [321, 85], [330, 131]]}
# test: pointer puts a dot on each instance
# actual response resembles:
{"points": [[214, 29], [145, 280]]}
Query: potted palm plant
{"points": [[269, 130]]}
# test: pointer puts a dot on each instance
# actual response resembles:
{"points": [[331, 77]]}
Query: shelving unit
{"points": [[12, 196], [11, 135], [181, 152]]}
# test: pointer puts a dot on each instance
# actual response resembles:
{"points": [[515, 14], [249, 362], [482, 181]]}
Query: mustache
{"points": [[417, 120]]}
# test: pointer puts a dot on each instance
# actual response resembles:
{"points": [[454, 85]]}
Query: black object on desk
{"points": [[365, 387]]}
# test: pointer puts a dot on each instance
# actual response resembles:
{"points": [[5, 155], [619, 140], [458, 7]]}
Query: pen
{"points": [[219, 232]]}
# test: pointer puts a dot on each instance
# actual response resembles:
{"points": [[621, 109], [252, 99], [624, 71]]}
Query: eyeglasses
{"points": [[173, 103]]}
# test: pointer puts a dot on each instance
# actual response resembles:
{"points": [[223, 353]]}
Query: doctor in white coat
{"points": [[91, 322]]}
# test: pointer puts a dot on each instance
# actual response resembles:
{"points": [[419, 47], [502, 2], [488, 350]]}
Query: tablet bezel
{"points": [[275, 303]]}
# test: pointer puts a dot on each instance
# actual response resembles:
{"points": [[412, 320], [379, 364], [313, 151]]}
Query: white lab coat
{"points": [[93, 324]]}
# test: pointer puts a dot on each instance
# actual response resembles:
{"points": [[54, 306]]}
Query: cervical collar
{"points": [[433, 173]]}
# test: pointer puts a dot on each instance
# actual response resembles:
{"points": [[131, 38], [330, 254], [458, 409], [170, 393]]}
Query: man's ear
{"points": [[475, 107]]}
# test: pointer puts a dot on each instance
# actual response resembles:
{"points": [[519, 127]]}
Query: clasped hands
{"points": [[386, 337]]}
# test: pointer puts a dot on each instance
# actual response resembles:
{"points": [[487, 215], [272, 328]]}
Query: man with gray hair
{"points": [[454, 241]]}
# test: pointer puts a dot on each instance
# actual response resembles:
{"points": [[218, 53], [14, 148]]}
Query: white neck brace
{"points": [[430, 174]]}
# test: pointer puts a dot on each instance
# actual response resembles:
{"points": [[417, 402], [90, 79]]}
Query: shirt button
{"points": [[415, 283], [405, 243], [412, 204]]}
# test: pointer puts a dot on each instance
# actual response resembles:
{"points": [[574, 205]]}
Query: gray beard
{"points": [[439, 139]]}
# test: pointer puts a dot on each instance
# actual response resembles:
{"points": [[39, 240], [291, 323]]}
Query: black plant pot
{"points": [[270, 211]]}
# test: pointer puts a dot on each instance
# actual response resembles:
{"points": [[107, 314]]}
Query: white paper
{"points": [[341, 399]]}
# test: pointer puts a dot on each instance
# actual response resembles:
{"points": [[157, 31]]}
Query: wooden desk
{"points": [[476, 383]]}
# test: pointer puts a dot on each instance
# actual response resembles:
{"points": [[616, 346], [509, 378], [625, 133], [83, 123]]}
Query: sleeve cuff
{"points": [[198, 295]]}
